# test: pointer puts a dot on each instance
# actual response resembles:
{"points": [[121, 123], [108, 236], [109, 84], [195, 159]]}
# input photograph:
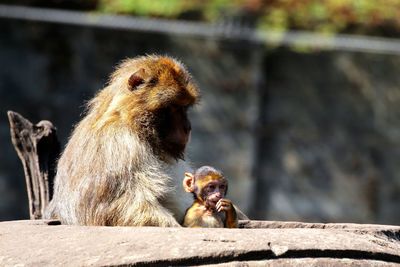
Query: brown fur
{"points": [[119, 165], [204, 212]]}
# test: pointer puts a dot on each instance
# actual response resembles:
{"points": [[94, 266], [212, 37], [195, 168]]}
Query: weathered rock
{"points": [[309, 262], [36, 243]]}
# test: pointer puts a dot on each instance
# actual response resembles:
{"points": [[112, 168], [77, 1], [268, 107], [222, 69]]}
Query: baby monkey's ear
{"points": [[136, 79], [188, 182]]}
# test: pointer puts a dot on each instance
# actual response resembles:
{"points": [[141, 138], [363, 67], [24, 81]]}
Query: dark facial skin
{"points": [[174, 130], [212, 193]]}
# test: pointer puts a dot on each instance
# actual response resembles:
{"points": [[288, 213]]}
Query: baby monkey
{"points": [[210, 208]]}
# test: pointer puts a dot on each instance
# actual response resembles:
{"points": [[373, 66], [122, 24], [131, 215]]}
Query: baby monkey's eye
{"points": [[153, 81]]}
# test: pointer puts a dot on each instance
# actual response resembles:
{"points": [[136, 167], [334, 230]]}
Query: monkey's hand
{"points": [[224, 205]]}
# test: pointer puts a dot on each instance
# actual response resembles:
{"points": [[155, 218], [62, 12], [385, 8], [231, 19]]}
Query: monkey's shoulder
{"points": [[196, 211]]}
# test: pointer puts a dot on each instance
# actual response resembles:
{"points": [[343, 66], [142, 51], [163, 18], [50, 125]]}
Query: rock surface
{"points": [[40, 243]]}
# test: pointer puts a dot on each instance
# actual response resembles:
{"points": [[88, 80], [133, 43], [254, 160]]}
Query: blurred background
{"points": [[300, 98]]}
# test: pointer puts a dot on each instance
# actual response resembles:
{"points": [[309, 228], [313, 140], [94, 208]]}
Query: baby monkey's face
{"points": [[213, 192], [208, 186]]}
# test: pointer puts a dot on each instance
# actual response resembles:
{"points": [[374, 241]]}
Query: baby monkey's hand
{"points": [[224, 205]]}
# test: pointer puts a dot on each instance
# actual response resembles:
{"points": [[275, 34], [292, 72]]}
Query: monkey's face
{"points": [[173, 129], [213, 192], [160, 91], [209, 186]]}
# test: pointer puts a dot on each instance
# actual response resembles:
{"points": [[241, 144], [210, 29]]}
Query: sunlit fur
{"points": [[111, 171], [199, 215]]}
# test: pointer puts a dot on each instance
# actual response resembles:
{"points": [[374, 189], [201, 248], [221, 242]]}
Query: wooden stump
{"points": [[38, 148]]}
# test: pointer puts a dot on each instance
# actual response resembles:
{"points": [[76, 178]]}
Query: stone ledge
{"points": [[40, 243]]}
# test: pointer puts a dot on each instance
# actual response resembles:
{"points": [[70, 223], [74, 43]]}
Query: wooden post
{"points": [[38, 148]]}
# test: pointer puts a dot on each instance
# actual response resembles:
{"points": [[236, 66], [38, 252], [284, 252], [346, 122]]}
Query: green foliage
{"points": [[162, 8], [318, 15], [330, 15]]}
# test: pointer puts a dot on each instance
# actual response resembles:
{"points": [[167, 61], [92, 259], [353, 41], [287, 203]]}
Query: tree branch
{"points": [[38, 148]]}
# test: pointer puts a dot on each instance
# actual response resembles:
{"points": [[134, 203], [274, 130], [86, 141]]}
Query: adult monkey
{"points": [[123, 162]]}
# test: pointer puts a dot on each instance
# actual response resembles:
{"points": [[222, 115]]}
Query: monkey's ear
{"points": [[188, 182], [136, 79]]}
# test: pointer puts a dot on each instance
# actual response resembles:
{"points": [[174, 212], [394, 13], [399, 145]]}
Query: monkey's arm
{"points": [[231, 220]]}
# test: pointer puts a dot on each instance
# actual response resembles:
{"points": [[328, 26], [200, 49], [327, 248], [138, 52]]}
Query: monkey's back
{"points": [[116, 168]]}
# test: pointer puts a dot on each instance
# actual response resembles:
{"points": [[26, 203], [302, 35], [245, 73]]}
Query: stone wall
{"points": [[302, 136]]}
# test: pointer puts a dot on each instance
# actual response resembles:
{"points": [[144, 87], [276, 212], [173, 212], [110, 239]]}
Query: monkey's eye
{"points": [[211, 187], [222, 187], [153, 81]]}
